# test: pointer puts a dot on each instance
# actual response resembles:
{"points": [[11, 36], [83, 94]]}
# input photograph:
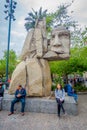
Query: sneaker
{"points": [[59, 116], [65, 114], [76, 102], [10, 113], [22, 113]]}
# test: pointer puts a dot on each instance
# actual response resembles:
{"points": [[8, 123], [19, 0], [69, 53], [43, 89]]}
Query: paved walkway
{"points": [[35, 121]]}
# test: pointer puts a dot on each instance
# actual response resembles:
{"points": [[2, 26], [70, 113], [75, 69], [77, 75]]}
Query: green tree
{"points": [[84, 36], [62, 18], [32, 16], [76, 64], [59, 17], [49, 21], [12, 63], [2, 68]]}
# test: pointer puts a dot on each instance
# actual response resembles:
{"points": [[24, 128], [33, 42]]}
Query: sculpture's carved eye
{"points": [[63, 34]]}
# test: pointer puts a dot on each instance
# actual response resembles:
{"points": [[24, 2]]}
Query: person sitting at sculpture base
{"points": [[60, 97], [72, 92], [20, 95]]}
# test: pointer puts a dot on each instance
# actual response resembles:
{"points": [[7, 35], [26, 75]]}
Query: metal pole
{"points": [[8, 45]]}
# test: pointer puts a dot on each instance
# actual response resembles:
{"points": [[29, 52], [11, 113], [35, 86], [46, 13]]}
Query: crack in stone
{"points": [[41, 66]]}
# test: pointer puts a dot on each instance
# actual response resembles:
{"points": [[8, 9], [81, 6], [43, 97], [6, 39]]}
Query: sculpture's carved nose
{"points": [[57, 41]]}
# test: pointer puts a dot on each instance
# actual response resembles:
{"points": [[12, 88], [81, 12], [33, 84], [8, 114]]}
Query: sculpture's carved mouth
{"points": [[60, 52]]}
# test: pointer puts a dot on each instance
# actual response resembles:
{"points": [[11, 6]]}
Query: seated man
{"points": [[20, 95], [71, 92], [1, 94]]}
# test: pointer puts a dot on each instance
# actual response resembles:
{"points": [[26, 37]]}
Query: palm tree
{"points": [[32, 16]]}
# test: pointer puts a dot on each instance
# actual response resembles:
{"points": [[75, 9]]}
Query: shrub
{"points": [[80, 88]]}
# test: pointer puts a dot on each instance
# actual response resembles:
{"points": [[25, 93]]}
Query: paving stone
{"points": [[39, 121]]}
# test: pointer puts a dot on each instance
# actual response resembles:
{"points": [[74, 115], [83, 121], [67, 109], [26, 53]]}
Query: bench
{"points": [[41, 105]]}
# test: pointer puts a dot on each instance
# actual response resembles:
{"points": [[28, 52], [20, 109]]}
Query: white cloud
{"points": [[21, 21], [80, 10], [12, 43], [79, 7], [46, 4], [3, 45], [17, 34]]}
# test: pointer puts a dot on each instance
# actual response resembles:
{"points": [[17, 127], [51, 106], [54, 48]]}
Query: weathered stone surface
{"points": [[18, 77], [63, 56], [47, 77], [39, 41], [28, 48], [36, 74], [50, 55]]}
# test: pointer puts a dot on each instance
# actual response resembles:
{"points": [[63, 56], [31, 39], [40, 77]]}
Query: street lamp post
{"points": [[10, 7]]}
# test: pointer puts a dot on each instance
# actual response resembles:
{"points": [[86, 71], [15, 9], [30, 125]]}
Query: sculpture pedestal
{"points": [[36, 74], [42, 105]]}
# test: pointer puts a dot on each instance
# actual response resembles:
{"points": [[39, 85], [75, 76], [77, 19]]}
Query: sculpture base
{"points": [[42, 105]]}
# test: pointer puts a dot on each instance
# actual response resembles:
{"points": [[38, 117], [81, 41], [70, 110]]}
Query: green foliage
{"points": [[76, 64], [53, 87], [49, 21], [2, 68], [12, 63], [58, 18], [80, 88], [57, 79], [84, 35], [62, 18], [33, 16]]}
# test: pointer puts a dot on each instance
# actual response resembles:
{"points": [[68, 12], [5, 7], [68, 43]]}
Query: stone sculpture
{"points": [[33, 69]]}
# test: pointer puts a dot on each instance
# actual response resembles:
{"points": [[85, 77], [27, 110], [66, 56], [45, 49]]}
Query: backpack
{"points": [[66, 88]]}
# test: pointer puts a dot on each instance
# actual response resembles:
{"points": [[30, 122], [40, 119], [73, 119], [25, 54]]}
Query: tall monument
{"points": [[33, 70]]}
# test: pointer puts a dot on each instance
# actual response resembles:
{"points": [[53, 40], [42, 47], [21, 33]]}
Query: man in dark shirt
{"points": [[1, 94], [20, 95]]}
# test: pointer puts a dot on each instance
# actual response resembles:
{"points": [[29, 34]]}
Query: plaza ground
{"points": [[39, 121]]}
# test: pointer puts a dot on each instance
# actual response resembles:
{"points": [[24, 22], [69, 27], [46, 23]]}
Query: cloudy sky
{"points": [[18, 32]]}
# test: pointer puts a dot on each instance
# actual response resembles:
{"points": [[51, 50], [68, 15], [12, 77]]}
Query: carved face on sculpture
{"points": [[37, 46], [60, 41]]}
